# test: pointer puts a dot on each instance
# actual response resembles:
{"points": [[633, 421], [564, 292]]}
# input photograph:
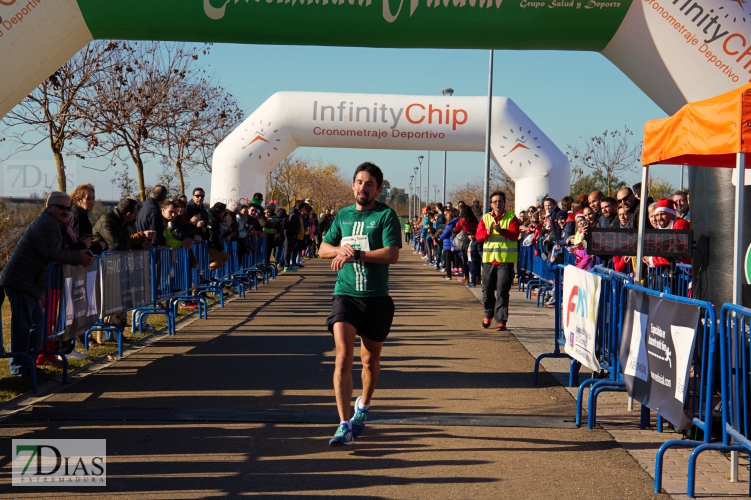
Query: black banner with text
{"points": [[657, 348]]}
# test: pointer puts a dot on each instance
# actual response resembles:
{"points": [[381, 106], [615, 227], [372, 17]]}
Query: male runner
{"points": [[363, 240]]}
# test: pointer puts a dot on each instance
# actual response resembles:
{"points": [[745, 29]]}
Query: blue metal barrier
{"points": [[701, 379], [607, 344], [54, 314], [162, 289], [735, 389], [666, 280], [558, 334], [104, 326], [27, 358]]}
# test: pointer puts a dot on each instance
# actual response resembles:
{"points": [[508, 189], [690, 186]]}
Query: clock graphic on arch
{"points": [[735, 15], [262, 137], [519, 146]]}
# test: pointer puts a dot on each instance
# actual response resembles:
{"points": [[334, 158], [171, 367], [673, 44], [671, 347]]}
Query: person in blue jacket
{"points": [[447, 237]]}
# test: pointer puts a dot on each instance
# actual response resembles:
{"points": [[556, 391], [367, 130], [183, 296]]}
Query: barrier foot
{"points": [[691, 482], [538, 359], [573, 373], [644, 417], [674, 443], [606, 385], [580, 399]]}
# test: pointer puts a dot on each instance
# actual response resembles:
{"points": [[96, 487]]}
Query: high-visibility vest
{"points": [[498, 248]]}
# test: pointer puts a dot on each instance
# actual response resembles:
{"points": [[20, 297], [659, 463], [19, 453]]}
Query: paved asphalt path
{"points": [[271, 352]]}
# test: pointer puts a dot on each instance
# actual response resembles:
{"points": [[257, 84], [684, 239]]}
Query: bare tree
{"points": [[51, 111], [202, 116], [129, 104], [473, 190], [605, 157]]}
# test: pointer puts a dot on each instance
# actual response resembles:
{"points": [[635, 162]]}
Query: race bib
{"points": [[357, 242]]}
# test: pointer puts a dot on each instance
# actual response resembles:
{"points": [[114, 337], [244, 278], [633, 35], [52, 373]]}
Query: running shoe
{"points": [[76, 355], [485, 322], [343, 437], [501, 327], [447, 277], [358, 421], [289, 268]]}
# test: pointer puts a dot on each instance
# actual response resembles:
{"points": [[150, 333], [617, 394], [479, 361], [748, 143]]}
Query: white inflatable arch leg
{"points": [[288, 120]]}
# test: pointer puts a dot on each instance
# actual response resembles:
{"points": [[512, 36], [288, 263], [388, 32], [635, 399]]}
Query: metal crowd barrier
{"points": [[701, 380], [558, 334], [673, 281], [101, 324], [27, 358], [607, 344], [735, 389]]}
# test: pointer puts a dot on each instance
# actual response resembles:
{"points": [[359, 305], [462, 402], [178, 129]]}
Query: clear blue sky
{"points": [[568, 94]]}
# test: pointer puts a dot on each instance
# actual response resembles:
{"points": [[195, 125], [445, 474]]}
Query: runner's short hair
{"points": [[372, 169]]}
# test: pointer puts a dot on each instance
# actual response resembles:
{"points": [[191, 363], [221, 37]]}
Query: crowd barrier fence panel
{"points": [[559, 336], [701, 381], [27, 358], [122, 273], [250, 265], [735, 389], [665, 279], [163, 288], [607, 344], [201, 277]]}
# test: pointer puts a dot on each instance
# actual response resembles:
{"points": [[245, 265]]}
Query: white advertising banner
{"points": [[581, 304]]}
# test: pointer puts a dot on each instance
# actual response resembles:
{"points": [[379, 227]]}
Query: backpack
{"points": [[461, 241]]}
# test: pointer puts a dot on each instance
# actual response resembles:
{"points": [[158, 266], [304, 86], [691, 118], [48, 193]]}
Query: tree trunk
{"points": [[141, 182], [179, 168], [61, 181]]}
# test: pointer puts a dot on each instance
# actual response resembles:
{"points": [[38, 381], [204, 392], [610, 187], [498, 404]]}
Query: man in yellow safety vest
{"points": [[498, 231]]}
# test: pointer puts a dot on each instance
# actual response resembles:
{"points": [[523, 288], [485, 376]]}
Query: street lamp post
{"points": [[417, 192], [411, 200], [447, 91], [419, 160], [435, 191]]}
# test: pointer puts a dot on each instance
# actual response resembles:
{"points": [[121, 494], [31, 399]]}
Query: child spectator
{"points": [[475, 259]]}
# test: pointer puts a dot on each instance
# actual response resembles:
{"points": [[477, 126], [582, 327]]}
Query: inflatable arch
{"points": [[675, 50], [288, 120]]}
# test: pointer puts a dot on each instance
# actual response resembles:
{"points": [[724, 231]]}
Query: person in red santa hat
{"points": [[667, 218]]}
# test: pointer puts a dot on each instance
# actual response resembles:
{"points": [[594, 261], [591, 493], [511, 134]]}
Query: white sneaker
{"points": [[76, 355]]}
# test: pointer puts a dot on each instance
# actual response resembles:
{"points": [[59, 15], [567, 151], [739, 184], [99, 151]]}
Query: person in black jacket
{"points": [[24, 277], [82, 203], [292, 230], [150, 216], [218, 233]]}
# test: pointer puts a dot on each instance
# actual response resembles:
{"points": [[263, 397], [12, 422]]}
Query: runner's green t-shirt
{"points": [[381, 226]]}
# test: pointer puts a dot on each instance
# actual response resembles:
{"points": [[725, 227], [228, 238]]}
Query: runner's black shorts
{"points": [[371, 316]]}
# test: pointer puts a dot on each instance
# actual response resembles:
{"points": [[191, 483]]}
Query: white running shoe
{"points": [[76, 355]]}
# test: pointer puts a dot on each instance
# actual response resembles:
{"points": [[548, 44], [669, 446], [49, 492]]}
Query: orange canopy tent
{"points": [[706, 133], [715, 132]]}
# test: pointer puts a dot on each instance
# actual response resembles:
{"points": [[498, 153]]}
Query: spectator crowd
{"points": [[64, 233], [446, 236]]}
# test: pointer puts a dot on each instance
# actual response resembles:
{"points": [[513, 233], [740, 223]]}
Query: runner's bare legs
{"points": [[370, 354], [344, 337]]}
